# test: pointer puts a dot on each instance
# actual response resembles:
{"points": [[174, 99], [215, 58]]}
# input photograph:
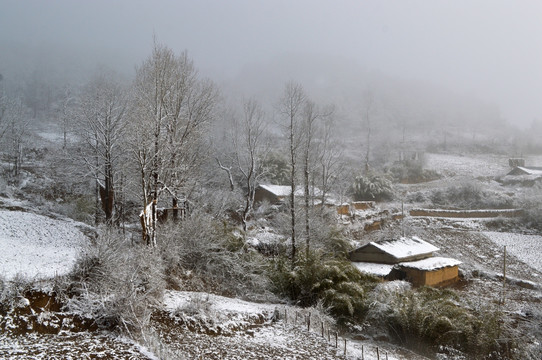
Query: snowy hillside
{"points": [[37, 246]]}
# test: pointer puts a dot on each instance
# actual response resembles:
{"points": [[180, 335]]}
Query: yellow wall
{"points": [[440, 277]]}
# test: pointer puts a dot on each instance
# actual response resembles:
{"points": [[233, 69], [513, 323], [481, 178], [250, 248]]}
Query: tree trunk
{"points": [[292, 192]]}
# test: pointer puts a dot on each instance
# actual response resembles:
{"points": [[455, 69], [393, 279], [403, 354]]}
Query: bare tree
{"points": [[329, 157], [172, 106], [246, 153], [66, 113], [311, 114], [368, 109], [14, 133], [101, 126], [291, 108], [250, 149], [13, 129]]}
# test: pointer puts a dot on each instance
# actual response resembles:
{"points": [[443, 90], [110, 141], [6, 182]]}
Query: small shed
{"points": [[434, 271], [394, 251]]}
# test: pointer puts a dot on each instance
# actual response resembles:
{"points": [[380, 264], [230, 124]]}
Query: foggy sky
{"points": [[491, 49]]}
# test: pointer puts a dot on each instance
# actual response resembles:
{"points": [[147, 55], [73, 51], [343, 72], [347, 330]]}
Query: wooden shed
{"points": [[394, 251], [434, 271]]}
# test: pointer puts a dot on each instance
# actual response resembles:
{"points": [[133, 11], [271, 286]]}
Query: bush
{"points": [[411, 172], [372, 187], [11, 292], [335, 282], [470, 195], [436, 318], [116, 283], [214, 256]]}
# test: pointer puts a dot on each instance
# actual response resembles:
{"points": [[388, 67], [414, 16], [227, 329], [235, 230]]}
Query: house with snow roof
{"points": [[522, 175], [275, 194], [406, 258], [394, 251], [271, 193]]}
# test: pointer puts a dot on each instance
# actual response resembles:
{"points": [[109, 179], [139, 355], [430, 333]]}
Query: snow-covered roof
{"points": [[526, 170], [284, 190], [405, 247], [373, 268], [278, 190], [531, 170], [432, 263]]}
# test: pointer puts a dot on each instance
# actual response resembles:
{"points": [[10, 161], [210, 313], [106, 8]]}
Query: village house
{"points": [[273, 194], [276, 194], [522, 175], [406, 258], [394, 251]]}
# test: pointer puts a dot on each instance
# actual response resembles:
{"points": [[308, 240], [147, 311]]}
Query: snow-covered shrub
{"points": [[13, 291], [531, 203], [371, 187], [437, 318], [335, 282], [470, 195], [115, 282], [211, 252], [412, 171]]}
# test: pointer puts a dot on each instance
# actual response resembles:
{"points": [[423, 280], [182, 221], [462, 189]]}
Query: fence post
{"points": [[362, 353], [377, 354], [336, 340], [344, 347], [322, 329], [286, 316], [309, 322]]}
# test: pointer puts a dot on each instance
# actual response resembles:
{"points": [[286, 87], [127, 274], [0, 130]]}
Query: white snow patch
{"points": [[37, 246], [179, 299], [525, 247], [373, 268]]}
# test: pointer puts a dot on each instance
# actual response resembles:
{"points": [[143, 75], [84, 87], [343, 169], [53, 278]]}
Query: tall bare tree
{"points": [[291, 110], [368, 109], [102, 126], [311, 115], [250, 149], [329, 155], [13, 129], [172, 106]]}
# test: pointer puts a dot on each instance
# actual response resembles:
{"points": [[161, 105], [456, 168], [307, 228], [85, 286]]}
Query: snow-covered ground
{"points": [[36, 246], [472, 165], [247, 330], [528, 248]]}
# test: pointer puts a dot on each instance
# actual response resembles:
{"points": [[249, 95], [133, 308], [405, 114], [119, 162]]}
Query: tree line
{"points": [[167, 136]]}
